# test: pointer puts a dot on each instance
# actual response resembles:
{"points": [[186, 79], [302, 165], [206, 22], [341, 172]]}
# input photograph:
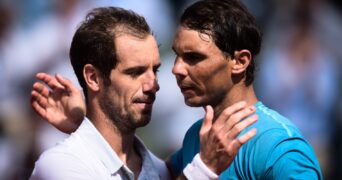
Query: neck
{"points": [[121, 142], [237, 93]]}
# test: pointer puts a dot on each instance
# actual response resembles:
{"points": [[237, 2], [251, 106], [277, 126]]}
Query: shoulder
{"points": [[194, 130], [271, 121], [189, 149], [293, 158], [191, 141], [274, 154], [277, 144], [274, 131], [59, 164], [67, 160]]}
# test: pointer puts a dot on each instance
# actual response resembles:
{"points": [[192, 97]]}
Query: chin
{"points": [[142, 123], [143, 120], [193, 103]]}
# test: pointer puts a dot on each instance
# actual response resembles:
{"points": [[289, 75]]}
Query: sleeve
{"points": [[56, 166], [189, 149], [293, 158], [176, 162]]}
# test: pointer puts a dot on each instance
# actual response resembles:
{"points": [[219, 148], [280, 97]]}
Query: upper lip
{"points": [[147, 100], [185, 86]]}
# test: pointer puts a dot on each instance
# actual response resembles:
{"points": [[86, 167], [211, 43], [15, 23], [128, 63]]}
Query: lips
{"points": [[186, 89], [183, 89], [145, 102]]}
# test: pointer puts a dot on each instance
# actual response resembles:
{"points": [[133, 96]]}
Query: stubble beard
{"points": [[121, 120]]}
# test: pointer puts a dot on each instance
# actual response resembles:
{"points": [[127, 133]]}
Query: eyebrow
{"points": [[194, 55], [141, 67], [134, 68], [157, 65]]}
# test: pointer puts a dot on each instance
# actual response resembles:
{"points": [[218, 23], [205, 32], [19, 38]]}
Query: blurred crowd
{"points": [[298, 73]]}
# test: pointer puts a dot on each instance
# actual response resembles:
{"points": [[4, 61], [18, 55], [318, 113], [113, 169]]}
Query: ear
{"points": [[242, 59], [92, 78]]}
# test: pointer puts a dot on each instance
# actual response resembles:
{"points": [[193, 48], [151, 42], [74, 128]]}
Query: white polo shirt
{"points": [[87, 155]]}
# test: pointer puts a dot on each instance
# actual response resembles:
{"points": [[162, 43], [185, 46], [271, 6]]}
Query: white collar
{"points": [[99, 146], [104, 152]]}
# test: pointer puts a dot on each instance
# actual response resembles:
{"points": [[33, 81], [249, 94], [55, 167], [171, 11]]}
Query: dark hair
{"points": [[229, 24], [93, 42]]}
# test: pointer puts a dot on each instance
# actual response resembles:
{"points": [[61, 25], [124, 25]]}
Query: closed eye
{"points": [[156, 68], [135, 71], [193, 57]]}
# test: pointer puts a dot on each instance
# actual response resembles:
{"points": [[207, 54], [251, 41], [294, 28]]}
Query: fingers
{"points": [[38, 103], [247, 136], [49, 80], [225, 115], [242, 125], [237, 143], [39, 98], [41, 89], [38, 109], [237, 117], [70, 87], [208, 120]]}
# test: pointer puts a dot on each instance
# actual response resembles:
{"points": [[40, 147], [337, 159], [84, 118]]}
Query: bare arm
{"points": [[62, 105]]}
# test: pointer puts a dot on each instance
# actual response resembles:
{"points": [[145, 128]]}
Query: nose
{"points": [[151, 85], [179, 68]]}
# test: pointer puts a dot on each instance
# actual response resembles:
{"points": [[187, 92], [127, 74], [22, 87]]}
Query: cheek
{"points": [[200, 74], [214, 78], [203, 73], [127, 94], [120, 95]]}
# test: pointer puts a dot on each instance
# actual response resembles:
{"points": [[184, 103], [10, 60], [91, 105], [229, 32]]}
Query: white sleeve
{"points": [[56, 166]]}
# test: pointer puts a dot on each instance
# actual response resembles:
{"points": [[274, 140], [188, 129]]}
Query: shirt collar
{"points": [[99, 146], [148, 167], [103, 151]]}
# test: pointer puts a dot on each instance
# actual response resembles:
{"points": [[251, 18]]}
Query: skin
{"points": [[206, 78], [60, 105], [202, 71], [130, 97], [131, 93]]}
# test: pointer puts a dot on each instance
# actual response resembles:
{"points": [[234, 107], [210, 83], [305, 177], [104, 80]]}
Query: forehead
{"points": [[132, 50], [191, 40]]}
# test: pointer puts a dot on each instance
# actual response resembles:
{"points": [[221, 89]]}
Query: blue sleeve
{"points": [[176, 162], [189, 149], [293, 159]]}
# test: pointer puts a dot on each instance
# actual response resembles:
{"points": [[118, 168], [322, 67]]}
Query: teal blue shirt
{"points": [[278, 151]]}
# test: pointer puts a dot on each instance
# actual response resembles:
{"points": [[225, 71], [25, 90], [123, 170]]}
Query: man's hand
{"points": [[62, 106], [219, 140]]}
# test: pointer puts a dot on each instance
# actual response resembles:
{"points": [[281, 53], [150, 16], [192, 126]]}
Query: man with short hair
{"points": [[116, 59], [215, 45], [108, 54]]}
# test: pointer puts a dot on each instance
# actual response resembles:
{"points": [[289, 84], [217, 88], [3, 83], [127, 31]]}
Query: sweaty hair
{"points": [[229, 24], [94, 40]]}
